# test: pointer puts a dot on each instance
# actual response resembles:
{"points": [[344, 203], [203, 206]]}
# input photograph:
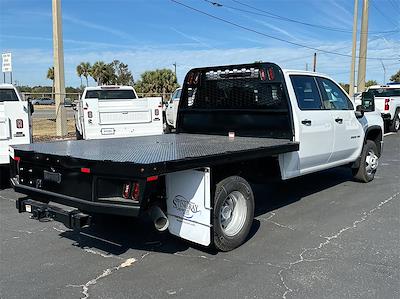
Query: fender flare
{"points": [[356, 163]]}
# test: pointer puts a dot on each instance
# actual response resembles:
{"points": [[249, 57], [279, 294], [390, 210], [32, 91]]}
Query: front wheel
{"points": [[368, 163], [233, 213], [394, 125]]}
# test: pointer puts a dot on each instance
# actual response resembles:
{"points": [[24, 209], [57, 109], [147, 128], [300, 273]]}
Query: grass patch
{"points": [[45, 129]]}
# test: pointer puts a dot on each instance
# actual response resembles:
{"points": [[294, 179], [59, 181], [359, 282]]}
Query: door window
{"points": [[332, 96], [307, 93]]}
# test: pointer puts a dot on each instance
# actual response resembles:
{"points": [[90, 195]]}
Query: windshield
{"points": [[386, 92], [116, 94], [8, 95]]}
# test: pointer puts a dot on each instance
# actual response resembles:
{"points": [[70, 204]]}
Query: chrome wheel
{"points": [[371, 162], [232, 214]]}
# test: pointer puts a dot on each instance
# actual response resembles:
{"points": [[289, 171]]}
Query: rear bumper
{"points": [[82, 205]]}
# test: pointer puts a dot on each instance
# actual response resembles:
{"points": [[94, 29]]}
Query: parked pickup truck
{"points": [[116, 111], [172, 110], [15, 125], [236, 124], [387, 100]]}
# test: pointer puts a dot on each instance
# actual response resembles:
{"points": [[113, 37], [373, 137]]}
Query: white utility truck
{"points": [[172, 110], [116, 111], [236, 125], [15, 124], [387, 100]]}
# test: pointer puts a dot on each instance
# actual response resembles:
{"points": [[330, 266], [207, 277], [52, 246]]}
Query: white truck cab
{"points": [[116, 111], [387, 100], [15, 123], [172, 110]]}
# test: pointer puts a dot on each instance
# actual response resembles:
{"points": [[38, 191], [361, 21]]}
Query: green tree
{"points": [[79, 71], [122, 74], [102, 73], [85, 66], [395, 77], [158, 81], [50, 76], [370, 83], [345, 86]]}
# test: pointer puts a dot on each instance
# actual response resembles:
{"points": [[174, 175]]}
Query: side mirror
{"points": [[368, 101], [359, 111]]}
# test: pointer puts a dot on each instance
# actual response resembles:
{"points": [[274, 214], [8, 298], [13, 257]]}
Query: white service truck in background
{"points": [[117, 111], [15, 125], [387, 100], [172, 110]]}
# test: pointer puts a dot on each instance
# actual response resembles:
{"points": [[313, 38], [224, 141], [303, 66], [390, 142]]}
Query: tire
{"points": [[4, 177], [368, 163], [394, 125], [78, 135], [233, 213], [168, 129]]}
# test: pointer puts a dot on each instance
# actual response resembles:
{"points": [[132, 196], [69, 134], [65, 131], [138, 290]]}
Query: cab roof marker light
{"points": [[152, 178], [85, 170]]}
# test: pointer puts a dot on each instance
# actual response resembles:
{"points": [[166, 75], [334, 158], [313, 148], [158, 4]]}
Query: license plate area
{"points": [[54, 177]]}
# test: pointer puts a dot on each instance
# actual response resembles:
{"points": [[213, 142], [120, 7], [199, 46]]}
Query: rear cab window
{"points": [[8, 95], [385, 92], [307, 93], [117, 94]]}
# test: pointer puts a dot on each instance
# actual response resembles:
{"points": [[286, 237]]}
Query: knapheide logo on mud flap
{"points": [[181, 204]]}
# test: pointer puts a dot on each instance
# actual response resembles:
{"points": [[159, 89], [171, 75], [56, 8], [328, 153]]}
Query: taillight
{"points": [[387, 104], [135, 192], [90, 114], [126, 190], [156, 112], [20, 124]]}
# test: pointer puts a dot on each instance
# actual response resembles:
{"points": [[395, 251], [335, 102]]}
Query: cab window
{"points": [[333, 97], [8, 95], [306, 91]]}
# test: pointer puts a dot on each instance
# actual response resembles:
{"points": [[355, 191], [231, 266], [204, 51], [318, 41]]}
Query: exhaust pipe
{"points": [[160, 220]]}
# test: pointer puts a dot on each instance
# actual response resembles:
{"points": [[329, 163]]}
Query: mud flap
{"points": [[189, 205]]}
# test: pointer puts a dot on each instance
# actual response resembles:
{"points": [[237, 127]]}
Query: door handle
{"points": [[306, 122], [339, 120]]}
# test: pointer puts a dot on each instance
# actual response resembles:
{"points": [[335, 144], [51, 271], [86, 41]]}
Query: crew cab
{"points": [[236, 124], [387, 100], [15, 124], [172, 110], [116, 111]]}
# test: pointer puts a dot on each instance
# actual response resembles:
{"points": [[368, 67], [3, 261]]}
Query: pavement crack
{"points": [[328, 240], [105, 255], [7, 198], [269, 219], [194, 256]]}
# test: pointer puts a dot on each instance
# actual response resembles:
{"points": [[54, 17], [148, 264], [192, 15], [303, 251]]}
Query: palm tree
{"points": [[79, 71], [85, 66], [50, 76], [102, 73]]}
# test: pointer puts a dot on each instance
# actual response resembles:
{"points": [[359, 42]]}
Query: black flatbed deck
{"points": [[153, 155]]}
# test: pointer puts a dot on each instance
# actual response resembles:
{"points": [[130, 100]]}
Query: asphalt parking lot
{"points": [[320, 236]]}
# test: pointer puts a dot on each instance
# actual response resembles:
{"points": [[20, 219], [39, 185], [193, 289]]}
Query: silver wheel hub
{"points": [[371, 162], [233, 213]]}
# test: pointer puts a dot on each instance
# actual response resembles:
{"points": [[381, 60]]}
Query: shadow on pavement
{"points": [[116, 234]]}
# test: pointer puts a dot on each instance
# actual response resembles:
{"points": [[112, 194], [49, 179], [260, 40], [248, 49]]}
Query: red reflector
{"points": [[20, 123], [85, 170], [126, 190], [156, 112], [135, 191], [152, 178], [17, 159], [387, 104]]}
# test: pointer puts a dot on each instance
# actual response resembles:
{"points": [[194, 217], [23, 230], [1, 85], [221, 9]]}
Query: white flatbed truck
{"points": [[236, 124]]}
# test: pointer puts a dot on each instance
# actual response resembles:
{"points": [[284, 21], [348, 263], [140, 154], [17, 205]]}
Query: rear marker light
{"points": [[20, 124], [157, 112], [135, 191], [271, 74], [85, 170], [152, 178], [17, 159]]}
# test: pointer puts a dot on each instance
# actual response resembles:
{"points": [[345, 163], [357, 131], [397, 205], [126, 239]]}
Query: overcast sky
{"points": [[150, 34]]}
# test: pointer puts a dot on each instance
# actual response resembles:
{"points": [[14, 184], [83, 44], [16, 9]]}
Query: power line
{"points": [[270, 36], [283, 18], [387, 18]]}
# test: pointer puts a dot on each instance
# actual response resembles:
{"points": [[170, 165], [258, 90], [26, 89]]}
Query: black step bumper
{"points": [[71, 218]]}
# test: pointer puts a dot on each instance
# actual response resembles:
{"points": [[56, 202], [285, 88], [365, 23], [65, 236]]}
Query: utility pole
{"points": [[59, 79], [384, 72], [315, 63], [353, 51], [174, 64], [362, 59], [306, 66]]}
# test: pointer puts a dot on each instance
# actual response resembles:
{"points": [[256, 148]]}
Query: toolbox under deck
{"points": [[158, 154]]}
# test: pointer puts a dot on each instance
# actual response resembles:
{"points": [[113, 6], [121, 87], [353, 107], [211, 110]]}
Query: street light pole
{"points": [[59, 79]]}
